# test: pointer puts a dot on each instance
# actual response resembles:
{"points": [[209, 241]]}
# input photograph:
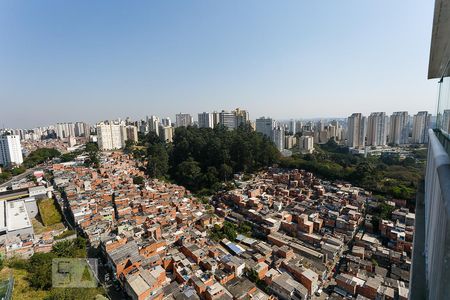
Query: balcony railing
{"points": [[432, 239]]}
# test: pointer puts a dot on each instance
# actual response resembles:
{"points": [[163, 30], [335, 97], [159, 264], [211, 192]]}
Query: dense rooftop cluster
{"points": [[327, 228], [303, 235]]}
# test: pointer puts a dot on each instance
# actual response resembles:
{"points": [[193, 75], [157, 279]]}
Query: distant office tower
{"points": [[278, 137], [377, 129], [227, 119], [340, 134], [241, 117], [356, 133], [110, 135], [166, 122], [334, 131], [265, 126], [231, 120], [322, 136], [320, 126], [331, 132], [299, 126], [216, 118], [399, 128], [143, 127], [421, 124], [183, 120], [153, 124], [131, 133], [292, 127], [205, 120], [445, 123], [10, 150], [166, 133], [306, 144]]}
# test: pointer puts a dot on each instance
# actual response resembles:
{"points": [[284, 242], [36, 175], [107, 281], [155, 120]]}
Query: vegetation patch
{"points": [[22, 288], [230, 231], [40, 228], [201, 159], [33, 277], [65, 234], [50, 215]]}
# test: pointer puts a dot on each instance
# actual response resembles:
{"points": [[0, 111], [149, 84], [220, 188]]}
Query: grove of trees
{"points": [[202, 158]]}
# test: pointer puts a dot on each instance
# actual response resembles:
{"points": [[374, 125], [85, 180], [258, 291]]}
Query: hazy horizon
{"points": [[91, 61]]}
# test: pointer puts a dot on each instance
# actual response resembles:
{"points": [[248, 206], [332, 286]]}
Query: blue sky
{"points": [[94, 60]]}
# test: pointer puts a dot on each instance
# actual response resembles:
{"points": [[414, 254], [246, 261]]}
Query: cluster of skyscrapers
{"points": [[230, 119], [77, 129], [305, 134], [380, 130]]}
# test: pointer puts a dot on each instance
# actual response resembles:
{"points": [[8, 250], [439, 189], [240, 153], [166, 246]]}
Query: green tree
{"points": [[225, 171], [158, 161], [40, 270], [188, 173], [39, 156], [91, 147], [129, 145], [138, 180]]}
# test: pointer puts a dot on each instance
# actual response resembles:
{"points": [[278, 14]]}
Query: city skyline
{"points": [[164, 58], [194, 116]]}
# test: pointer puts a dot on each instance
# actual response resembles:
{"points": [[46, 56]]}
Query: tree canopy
{"points": [[201, 158], [39, 156]]}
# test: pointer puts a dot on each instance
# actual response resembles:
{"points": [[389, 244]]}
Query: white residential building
{"points": [[306, 144], [278, 137], [227, 119], [153, 124], [356, 133], [377, 129], [399, 127], [10, 150], [183, 120], [205, 120], [111, 135], [421, 124], [265, 126], [166, 133], [131, 133], [64, 130]]}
